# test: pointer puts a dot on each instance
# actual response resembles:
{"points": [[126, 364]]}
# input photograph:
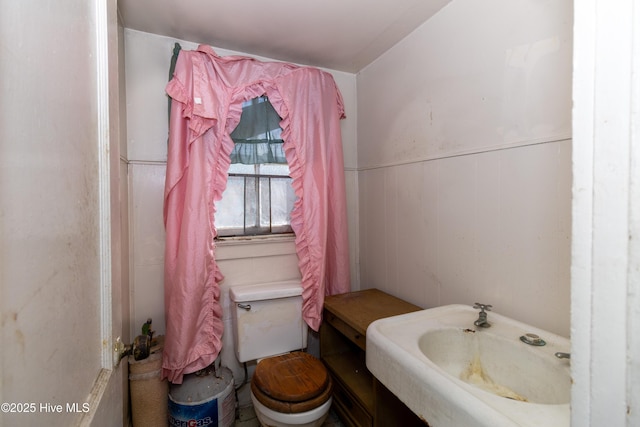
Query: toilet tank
{"points": [[267, 319]]}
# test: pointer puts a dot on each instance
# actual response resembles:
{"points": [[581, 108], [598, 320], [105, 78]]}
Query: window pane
{"points": [[274, 169], [241, 168], [229, 218], [265, 204], [282, 199], [258, 200], [251, 208]]}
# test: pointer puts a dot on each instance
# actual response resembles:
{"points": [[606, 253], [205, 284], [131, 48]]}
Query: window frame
{"points": [[251, 230]]}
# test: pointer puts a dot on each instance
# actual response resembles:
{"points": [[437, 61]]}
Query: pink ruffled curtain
{"points": [[207, 92]]}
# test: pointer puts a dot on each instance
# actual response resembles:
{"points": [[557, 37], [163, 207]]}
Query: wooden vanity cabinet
{"points": [[357, 396]]}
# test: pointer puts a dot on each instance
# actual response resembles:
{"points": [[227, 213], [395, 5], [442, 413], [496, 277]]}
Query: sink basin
{"points": [[452, 373]]}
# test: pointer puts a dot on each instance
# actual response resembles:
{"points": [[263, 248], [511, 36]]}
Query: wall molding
{"points": [[467, 152], [421, 159], [104, 173]]}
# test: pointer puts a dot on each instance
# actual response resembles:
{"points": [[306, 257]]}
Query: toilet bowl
{"points": [[292, 389], [289, 387], [312, 418]]}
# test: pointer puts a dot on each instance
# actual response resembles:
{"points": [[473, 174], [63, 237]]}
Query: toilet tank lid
{"points": [[265, 291]]}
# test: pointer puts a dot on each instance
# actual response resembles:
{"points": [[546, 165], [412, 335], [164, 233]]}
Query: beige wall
{"points": [[464, 158]]}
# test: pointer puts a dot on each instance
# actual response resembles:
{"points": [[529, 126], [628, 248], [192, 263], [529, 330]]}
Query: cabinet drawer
{"points": [[359, 339], [348, 408]]}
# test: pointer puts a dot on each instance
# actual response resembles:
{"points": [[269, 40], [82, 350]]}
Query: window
{"points": [[258, 200], [259, 195]]}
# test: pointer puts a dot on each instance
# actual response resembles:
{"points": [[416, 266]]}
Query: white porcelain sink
{"points": [[452, 373]]}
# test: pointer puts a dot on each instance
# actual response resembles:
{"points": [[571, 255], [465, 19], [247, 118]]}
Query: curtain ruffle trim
{"points": [[305, 263]]}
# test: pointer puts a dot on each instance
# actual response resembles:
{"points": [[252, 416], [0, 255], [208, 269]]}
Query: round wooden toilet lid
{"points": [[292, 377]]}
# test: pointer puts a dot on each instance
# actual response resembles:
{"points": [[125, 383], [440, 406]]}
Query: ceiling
{"points": [[344, 35]]}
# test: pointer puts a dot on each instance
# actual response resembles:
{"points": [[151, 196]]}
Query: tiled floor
{"points": [[332, 420]]}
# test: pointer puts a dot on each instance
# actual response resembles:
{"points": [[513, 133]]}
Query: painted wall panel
{"points": [[485, 227], [480, 102], [477, 75], [147, 242]]}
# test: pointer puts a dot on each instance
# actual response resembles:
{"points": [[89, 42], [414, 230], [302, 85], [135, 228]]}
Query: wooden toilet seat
{"points": [[291, 383]]}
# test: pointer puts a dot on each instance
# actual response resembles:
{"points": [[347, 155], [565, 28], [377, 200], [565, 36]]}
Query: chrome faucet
{"points": [[482, 316]]}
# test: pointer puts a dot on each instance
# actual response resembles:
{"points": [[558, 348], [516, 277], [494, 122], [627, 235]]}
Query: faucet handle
{"points": [[483, 307]]}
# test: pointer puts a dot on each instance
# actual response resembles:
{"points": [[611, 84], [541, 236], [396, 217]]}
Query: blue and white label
{"points": [[205, 414]]}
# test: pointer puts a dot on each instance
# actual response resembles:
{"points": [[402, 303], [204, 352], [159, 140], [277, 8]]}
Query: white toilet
{"points": [[288, 387]]}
